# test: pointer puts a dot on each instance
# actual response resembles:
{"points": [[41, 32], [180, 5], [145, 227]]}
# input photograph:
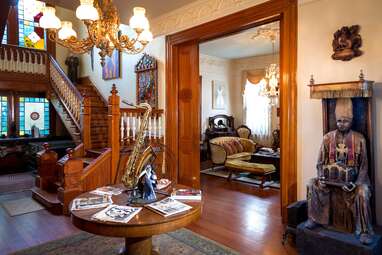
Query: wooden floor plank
{"points": [[237, 215]]}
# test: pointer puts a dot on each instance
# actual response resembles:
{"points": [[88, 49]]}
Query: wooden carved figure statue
{"points": [[72, 62], [343, 180]]}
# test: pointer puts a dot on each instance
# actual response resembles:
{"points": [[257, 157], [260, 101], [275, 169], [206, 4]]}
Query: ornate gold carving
{"points": [[197, 13]]}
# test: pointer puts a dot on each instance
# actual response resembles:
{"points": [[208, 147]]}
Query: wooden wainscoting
{"points": [[183, 92]]}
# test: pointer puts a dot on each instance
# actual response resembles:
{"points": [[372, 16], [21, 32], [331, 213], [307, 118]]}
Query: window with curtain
{"points": [[33, 111], [257, 112], [4, 115], [31, 35]]}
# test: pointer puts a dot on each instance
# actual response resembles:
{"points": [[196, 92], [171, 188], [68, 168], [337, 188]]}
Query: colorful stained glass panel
{"points": [[33, 111], [4, 115], [31, 35]]}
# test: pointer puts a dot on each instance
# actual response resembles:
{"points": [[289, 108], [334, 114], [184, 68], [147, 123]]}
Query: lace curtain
{"points": [[257, 113]]}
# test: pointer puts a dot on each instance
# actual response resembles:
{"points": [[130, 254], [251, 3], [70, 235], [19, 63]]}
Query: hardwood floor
{"points": [[242, 217], [30, 229], [237, 215]]}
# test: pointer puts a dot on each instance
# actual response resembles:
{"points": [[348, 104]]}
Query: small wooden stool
{"points": [[263, 170]]}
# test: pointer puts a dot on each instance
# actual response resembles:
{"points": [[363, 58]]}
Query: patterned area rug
{"points": [[220, 171], [21, 206], [180, 242]]}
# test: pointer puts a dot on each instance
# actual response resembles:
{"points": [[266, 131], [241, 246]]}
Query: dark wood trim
{"points": [[4, 10], [286, 12], [13, 26], [34, 85]]}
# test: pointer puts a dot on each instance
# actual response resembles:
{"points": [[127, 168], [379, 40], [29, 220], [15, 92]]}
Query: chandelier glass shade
{"points": [[270, 83], [102, 22]]}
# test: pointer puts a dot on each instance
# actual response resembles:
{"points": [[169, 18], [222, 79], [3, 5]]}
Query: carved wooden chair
{"points": [[243, 132]]}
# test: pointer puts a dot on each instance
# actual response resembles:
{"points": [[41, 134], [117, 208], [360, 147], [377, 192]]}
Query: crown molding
{"points": [[197, 13]]}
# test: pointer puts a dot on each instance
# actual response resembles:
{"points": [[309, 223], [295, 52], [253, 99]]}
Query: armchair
{"points": [[243, 131]]}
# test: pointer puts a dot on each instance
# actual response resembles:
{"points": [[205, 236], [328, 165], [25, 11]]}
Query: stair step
{"points": [[48, 200], [95, 152], [87, 161], [100, 127], [97, 144], [99, 133]]}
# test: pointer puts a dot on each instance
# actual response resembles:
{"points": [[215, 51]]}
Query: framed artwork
{"points": [[219, 95], [147, 80], [112, 68]]}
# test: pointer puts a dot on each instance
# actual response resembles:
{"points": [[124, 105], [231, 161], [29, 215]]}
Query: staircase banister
{"points": [[94, 165], [138, 110], [15, 47], [68, 111], [65, 77]]}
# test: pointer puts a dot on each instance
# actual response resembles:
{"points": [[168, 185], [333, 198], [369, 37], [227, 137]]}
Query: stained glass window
{"points": [[31, 35], [4, 40], [33, 111], [4, 115]]}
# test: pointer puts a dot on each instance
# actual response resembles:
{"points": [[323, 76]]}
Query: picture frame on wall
{"points": [[147, 80], [219, 95], [112, 68]]}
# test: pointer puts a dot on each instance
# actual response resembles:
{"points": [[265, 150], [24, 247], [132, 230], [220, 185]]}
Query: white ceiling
{"points": [[240, 45], [154, 8]]}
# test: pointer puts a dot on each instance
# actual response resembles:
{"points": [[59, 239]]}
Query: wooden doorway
{"points": [[183, 91]]}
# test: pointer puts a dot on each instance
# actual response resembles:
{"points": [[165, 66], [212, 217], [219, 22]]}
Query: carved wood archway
{"points": [[183, 91]]}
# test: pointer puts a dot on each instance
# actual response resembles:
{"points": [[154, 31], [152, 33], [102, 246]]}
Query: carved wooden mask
{"points": [[346, 43]]}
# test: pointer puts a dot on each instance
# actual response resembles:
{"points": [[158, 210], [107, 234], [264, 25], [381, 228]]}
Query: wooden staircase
{"points": [[99, 112], [58, 182], [98, 127], [64, 115], [84, 113]]}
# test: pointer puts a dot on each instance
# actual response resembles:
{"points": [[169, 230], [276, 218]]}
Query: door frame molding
{"points": [[284, 11]]}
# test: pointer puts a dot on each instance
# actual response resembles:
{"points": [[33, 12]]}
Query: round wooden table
{"points": [[139, 230]]}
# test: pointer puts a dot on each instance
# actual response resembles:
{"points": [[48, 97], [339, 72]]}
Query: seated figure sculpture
{"points": [[342, 167]]}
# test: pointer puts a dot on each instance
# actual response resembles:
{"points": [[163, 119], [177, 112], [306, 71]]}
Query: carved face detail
{"points": [[346, 43], [344, 124]]}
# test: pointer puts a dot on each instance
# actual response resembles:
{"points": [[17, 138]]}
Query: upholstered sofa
{"points": [[229, 147]]}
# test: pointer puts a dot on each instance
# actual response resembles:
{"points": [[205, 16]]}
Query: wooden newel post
{"points": [[114, 130], [86, 117], [70, 171], [46, 168]]}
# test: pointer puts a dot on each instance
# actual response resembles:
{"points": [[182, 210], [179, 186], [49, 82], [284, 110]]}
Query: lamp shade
{"points": [[49, 20], [145, 37], [138, 21], [86, 11], [66, 31]]}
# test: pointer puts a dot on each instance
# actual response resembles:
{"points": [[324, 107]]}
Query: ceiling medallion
{"points": [[102, 22]]}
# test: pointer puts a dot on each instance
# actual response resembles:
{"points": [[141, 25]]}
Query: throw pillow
{"points": [[238, 145], [228, 148], [233, 146]]}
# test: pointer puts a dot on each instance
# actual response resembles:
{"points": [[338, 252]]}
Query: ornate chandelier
{"points": [[102, 22], [270, 83]]}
